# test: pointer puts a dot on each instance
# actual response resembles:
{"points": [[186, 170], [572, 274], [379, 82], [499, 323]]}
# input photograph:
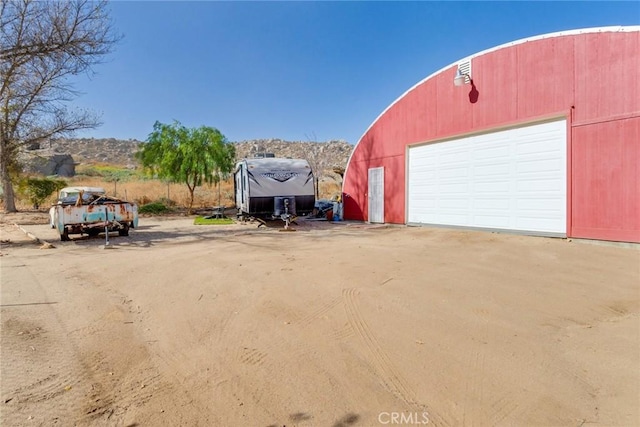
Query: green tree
{"points": [[225, 163], [42, 45], [188, 156], [37, 190]]}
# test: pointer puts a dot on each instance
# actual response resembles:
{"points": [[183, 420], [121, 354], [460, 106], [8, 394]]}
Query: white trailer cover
{"points": [[279, 177], [259, 181]]}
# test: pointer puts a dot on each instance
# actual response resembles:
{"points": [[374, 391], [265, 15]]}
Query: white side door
{"points": [[239, 192], [376, 195]]}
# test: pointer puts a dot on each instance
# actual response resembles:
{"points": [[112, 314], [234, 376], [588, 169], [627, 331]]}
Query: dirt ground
{"points": [[335, 324]]}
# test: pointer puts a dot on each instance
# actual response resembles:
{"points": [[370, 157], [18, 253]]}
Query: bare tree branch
{"points": [[42, 45]]}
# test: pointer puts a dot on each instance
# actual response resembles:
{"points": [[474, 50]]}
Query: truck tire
{"points": [[124, 231], [64, 236]]}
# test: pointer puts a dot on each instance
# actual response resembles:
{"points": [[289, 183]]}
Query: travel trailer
{"points": [[271, 188]]}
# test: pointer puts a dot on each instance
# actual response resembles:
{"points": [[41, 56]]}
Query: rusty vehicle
{"points": [[88, 210]]}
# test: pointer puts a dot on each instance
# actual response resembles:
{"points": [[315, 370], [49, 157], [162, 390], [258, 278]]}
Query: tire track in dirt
{"points": [[199, 379], [112, 395], [241, 368], [476, 407], [91, 384], [168, 377], [233, 360], [503, 407], [475, 373], [516, 404], [39, 391], [35, 337], [261, 357], [306, 325], [231, 376], [319, 312], [392, 380], [343, 333], [223, 326], [251, 356], [246, 364], [132, 377], [122, 379]]}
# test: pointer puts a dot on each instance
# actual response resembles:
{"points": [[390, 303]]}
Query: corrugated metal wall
{"points": [[592, 79]]}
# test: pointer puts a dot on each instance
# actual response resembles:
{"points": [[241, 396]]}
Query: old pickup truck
{"points": [[88, 210]]}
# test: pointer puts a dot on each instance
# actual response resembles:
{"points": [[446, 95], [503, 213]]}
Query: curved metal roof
{"points": [[618, 29]]}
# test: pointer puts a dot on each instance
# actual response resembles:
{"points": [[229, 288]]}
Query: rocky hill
{"points": [[322, 156]]}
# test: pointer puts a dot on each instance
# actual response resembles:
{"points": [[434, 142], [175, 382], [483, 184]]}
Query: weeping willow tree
{"points": [[188, 156], [224, 165]]}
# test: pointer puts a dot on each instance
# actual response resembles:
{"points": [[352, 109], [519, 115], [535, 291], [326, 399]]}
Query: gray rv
{"points": [[270, 187]]}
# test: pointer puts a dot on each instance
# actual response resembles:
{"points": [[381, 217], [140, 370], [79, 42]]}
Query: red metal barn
{"points": [[538, 136]]}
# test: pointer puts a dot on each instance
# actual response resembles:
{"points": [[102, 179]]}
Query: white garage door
{"points": [[510, 180]]}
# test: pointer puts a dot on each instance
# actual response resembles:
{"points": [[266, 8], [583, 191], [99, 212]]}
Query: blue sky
{"points": [[299, 71]]}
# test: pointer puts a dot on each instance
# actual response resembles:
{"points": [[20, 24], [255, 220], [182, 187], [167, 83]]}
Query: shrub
{"points": [[153, 208], [37, 190], [108, 172], [166, 202], [87, 170]]}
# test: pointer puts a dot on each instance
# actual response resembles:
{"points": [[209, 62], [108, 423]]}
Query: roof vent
{"points": [[464, 69]]}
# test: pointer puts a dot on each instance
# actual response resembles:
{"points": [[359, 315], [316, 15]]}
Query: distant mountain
{"points": [[323, 156]]}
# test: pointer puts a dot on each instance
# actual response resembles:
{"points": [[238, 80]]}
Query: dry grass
{"points": [[147, 191]]}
